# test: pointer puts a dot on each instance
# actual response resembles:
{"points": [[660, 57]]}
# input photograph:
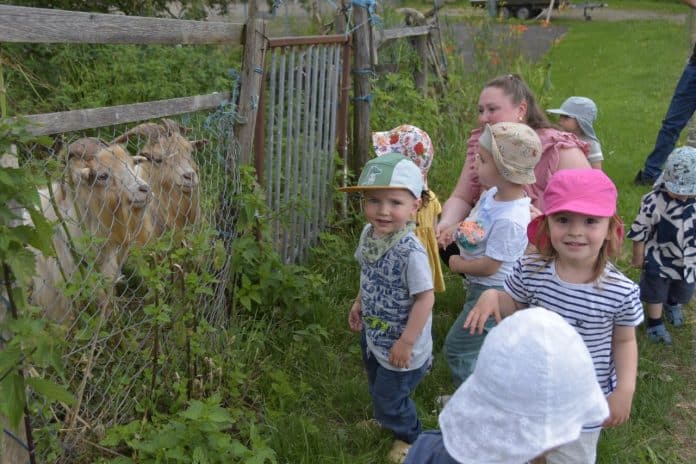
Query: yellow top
{"points": [[426, 220]]}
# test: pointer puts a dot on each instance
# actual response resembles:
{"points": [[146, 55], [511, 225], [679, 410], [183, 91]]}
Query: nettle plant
{"points": [[30, 343]]}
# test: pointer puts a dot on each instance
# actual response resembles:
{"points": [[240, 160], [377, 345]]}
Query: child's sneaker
{"points": [[398, 452], [673, 314], [659, 334]]}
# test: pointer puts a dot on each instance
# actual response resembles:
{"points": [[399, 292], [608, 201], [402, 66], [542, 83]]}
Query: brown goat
{"points": [[167, 164]]}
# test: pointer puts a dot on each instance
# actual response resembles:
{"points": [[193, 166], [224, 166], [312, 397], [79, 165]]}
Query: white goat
{"points": [[166, 163], [101, 195]]}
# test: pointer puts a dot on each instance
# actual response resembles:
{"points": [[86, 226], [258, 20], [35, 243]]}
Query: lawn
{"points": [[629, 69]]}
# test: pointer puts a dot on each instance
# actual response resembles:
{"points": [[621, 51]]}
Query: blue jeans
{"points": [[390, 390], [429, 449], [462, 348], [680, 110]]}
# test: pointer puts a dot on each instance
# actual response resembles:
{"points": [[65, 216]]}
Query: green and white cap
{"points": [[392, 170]]}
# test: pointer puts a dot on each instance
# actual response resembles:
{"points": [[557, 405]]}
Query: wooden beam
{"points": [[67, 121], [39, 25], [387, 35]]}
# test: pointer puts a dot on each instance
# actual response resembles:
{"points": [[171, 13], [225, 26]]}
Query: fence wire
{"points": [[143, 232]]}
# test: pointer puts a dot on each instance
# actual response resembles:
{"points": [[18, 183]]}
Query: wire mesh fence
{"points": [[144, 221]]}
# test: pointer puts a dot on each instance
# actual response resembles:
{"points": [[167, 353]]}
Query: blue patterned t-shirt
{"points": [[387, 289]]}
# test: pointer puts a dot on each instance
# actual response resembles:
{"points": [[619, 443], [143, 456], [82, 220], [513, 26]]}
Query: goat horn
{"points": [[147, 129], [85, 147]]}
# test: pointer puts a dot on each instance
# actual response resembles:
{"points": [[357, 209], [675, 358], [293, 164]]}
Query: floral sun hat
{"points": [[515, 148], [679, 175], [411, 141]]}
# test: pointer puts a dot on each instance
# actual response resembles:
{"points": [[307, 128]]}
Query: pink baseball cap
{"points": [[581, 191]]}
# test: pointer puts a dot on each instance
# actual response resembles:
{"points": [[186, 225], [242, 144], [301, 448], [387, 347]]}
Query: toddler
{"points": [[393, 310], [664, 243], [571, 275], [534, 385], [415, 144], [576, 115], [494, 235]]}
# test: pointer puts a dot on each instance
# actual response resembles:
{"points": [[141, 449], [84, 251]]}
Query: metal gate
{"points": [[303, 113]]}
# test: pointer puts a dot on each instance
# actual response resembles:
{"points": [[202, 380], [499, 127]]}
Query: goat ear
{"points": [[173, 126], [198, 144]]}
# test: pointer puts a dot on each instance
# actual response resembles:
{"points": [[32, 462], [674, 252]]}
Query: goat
{"points": [[167, 164], [101, 195]]}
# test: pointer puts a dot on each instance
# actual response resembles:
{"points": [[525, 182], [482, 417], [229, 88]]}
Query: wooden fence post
{"points": [[362, 66], [252, 77]]}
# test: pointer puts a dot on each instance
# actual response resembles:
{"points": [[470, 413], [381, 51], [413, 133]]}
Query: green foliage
{"points": [[45, 78], [199, 434], [184, 9], [261, 279], [31, 341]]}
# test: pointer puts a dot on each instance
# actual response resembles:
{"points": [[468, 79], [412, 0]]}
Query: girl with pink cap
{"points": [[571, 275]]}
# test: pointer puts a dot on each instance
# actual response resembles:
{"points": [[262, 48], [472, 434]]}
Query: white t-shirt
{"points": [[500, 233]]}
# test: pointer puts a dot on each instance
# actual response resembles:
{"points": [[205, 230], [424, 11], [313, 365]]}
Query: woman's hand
{"points": [[445, 235]]}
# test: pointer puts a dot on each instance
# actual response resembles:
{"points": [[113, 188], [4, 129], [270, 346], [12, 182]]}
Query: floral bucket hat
{"points": [[680, 171], [411, 141]]}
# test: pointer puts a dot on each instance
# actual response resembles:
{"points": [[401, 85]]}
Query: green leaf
{"points": [[21, 261], [51, 390], [195, 411], [10, 358], [13, 398]]}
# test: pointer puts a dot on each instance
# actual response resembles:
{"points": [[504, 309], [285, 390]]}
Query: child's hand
{"points": [[400, 354], [486, 305], [355, 317], [619, 407]]}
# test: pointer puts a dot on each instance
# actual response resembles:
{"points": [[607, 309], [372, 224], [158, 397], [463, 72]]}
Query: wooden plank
{"points": [[387, 35], [67, 121], [39, 25]]}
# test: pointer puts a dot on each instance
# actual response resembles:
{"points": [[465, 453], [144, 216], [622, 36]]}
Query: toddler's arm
{"points": [[638, 254], [477, 267], [492, 301], [400, 353], [355, 315], [625, 351]]}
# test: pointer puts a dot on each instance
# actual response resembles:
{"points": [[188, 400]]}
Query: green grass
{"points": [[630, 70]]}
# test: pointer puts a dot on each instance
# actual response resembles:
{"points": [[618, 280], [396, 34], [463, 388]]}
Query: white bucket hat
{"points": [[583, 110], [533, 388]]}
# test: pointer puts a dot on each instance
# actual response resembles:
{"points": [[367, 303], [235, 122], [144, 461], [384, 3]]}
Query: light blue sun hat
{"points": [[583, 110], [679, 175]]}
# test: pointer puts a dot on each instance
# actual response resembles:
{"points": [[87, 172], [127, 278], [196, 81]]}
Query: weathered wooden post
{"points": [[252, 76], [362, 69]]}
